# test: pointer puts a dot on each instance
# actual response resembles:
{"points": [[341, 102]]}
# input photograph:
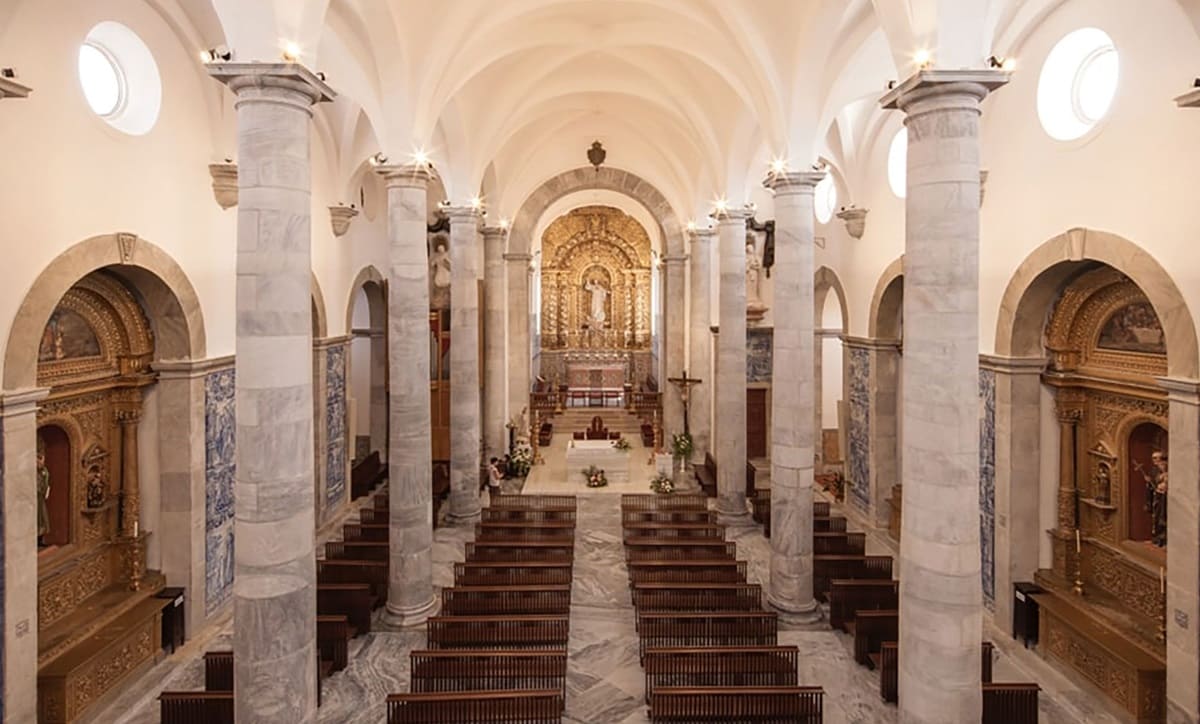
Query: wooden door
{"points": [[756, 422]]}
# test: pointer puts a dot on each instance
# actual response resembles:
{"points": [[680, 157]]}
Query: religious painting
{"points": [[67, 336], [1133, 328], [759, 355], [1147, 484]]}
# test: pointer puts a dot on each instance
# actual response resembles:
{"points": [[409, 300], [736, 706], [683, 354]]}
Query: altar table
{"points": [[582, 454]]}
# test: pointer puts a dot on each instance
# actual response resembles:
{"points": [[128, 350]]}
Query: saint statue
{"points": [[43, 511], [753, 272], [1156, 496], [439, 275], [599, 295]]}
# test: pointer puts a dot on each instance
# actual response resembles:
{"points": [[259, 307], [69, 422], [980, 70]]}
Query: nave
{"points": [[605, 681]]}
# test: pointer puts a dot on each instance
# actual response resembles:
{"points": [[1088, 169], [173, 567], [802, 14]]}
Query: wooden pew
{"points": [[674, 530], [497, 632], [372, 515], [529, 513], [793, 704], [365, 532], [372, 573], [706, 475], [333, 641], [697, 597], [847, 598], [653, 501], [366, 475], [1010, 703], [761, 505], [829, 524], [497, 600], [871, 629], [487, 670], [505, 573], [352, 600], [700, 570], [520, 551], [672, 629], [641, 549], [721, 666], [525, 530], [358, 550], [839, 542], [668, 516], [527, 706], [218, 671], [830, 566], [196, 707], [547, 502], [889, 670]]}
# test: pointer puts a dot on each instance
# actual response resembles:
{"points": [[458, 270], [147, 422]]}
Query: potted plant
{"points": [[595, 477], [622, 444], [662, 484], [522, 458]]}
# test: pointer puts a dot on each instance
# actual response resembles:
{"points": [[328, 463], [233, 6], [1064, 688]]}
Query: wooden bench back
{"points": [[333, 637], [697, 597], [196, 707], [668, 516], [650, 552], [532, 706], [497, 600], [497, 632], [708, 628], [529, 513], [487, 670], [839, 542], [847, 598], [549, 502], [653, 501], [687, 571], [357, 550], [1010, 703], [365, 532], [218, 671], [711, 531], [827, 567], [829, 524], [507, 574], [520, 551], [871, 629], [352, 600], [721, 666], [792, 704]]}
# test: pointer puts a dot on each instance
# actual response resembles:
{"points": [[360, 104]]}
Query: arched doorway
{"points": [[367, 370], [830, 326]]}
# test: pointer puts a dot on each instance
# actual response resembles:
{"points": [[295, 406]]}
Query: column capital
{"points": [[732, 215], [786, 183], [1013, 365], [406, 175], [675, 259], [518, 257], [10, 88], [459, 214], [949, 85], [871, 343], [22, 402], [703, 235], [495, 233], [1180, 389], [289, 83]]}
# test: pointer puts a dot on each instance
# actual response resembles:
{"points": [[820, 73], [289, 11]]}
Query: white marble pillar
{"points": [[1183, 552], [941, 601], [495, 436], [274, 595], [518, 356], [793, 438], [18, 455], [731, 369], [674, 341], [464, 365], [411, 597], [700, 354]]}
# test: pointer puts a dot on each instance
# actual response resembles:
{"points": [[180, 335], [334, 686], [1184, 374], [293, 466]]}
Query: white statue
{"points": [[753, 271], [599, 295], [439, 274]]}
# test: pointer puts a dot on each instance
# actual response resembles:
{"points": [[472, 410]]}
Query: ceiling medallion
{"points": [[596, 155]]}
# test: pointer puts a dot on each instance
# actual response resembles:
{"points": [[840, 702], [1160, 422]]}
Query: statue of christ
{"points": [[599, 295]]}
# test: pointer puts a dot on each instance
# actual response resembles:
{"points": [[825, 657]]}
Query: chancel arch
{"points": [[1092, 338]]}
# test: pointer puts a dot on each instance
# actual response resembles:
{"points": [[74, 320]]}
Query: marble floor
{"points": [[605, 681]]}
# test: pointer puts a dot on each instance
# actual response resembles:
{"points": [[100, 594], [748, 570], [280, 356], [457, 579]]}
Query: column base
{"points": [[729, 513], [459, 519], [802, 616], [410, 617]]}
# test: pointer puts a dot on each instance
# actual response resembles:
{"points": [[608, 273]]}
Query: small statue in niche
{"points": [[1156, 496], [439, 274], [96, 488], [1103, 484], [755, 309], [598, 298], [43, 511]]}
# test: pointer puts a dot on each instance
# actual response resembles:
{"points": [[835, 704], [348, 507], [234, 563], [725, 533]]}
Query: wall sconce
{"points": [[855, 220], [378, 159], [224, 183], [340, 217], [999, 63]]}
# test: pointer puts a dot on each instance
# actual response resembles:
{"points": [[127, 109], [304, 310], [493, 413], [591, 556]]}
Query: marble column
{"points": [[793, 438], [518, 356], [274, 597], [1018, 471], [674, 341], [464, 365], [19, 585], [700, 354], [495, 435], [411, 597], [1183, 552], [941, 602], [731, 369]]}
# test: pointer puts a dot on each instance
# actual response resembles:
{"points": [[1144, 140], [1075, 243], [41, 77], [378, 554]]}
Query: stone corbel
{"points": [[856, 220], [224, 183], [340, 218], [10, 88]]}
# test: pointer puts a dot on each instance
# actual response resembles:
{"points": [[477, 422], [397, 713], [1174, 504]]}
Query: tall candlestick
{"points": [[135, 526], [1077, 549]]}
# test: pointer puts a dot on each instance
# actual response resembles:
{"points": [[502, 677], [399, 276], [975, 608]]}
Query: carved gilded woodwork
{"points": [[595, 245]]}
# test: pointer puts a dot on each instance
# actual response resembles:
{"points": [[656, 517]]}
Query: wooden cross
{"points": [[684, 383]]}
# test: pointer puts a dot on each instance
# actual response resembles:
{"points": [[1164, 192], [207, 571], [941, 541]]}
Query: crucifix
{"points": [[684, 383]]}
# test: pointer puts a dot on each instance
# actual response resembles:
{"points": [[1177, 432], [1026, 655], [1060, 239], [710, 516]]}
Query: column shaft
{"points": [[518, 357], [940, 591], [464, 365], [410, 449], [792, 417], [274, 598], [731, 370], [1183, 552], [494, 433], [700, 354], [674, 342]]}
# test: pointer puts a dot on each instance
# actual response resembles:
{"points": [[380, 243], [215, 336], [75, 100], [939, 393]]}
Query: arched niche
{"points": [[366, 318]]}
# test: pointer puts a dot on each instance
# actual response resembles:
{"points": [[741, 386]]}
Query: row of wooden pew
{"points": [[498, 650], [351, 583], [709, 650], [863, 601]]}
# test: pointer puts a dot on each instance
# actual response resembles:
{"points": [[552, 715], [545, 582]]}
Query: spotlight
{"points": [[691, 225], [999, 63], [219, 53], [504, 224], [291, 51], [1195, 83], [923, 58], [378, 159], [420, 157], [7, 73], [891, 84], [476, 202], [778, 165], [321, 76]]}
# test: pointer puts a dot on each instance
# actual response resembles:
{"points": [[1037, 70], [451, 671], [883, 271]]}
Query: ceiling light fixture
{"points": [[420, 157], [1001, 63], [219, 53], [291, 51], [923, 58], [778, 165], [378, 159]]}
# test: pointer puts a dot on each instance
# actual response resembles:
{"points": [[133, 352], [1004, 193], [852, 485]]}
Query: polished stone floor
{"points": [[605, 684]]}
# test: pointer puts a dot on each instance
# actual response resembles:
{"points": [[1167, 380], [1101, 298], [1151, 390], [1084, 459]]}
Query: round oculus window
{"points": [[825, 199], [1078, 84], [119, 78]]}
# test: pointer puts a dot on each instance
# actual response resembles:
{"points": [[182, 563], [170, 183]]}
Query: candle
{"points": [[135, 529], [1076, 540], [1162, 580]]}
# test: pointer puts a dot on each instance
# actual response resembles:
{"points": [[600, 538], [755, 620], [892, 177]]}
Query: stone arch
{"points": [[176, 317], [366, 372], [372, 283], [1038, 279], [321, 315], [581, 179], [824, 281], [886, 305]]}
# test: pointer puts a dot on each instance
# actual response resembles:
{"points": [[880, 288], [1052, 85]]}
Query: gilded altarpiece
{"points": [[1102, 613], [97, 618]]}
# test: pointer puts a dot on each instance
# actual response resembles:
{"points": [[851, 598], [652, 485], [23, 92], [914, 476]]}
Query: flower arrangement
{"points": [[595, 477], [662, 484], [622, 444], [522, 458], [681, 445]]}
